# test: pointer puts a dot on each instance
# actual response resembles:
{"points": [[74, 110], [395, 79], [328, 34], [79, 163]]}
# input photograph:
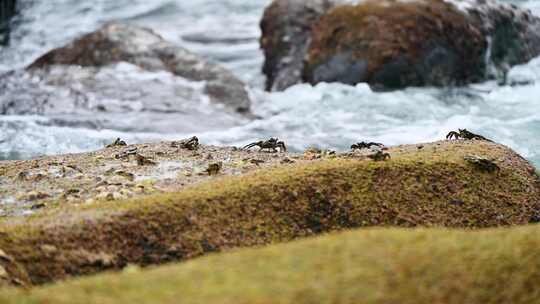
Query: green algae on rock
{"points": [[368, 266], [416, 187]]}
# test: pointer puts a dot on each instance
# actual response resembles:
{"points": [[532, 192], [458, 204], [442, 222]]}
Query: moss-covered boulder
{"points": [[116, 42], [394, 44], [369, 266], [439, 184]]}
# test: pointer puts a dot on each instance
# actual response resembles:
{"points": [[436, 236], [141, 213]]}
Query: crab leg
{"points": [[250, 146]]}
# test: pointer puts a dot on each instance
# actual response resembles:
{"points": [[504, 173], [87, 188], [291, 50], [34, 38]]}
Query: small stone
{"points": [[108, 196], [118, 196], [482, 163], [139, 188], [257, 161], [125, 174], [287, 160], [144, 161], [457, 202], [48, 248], [38, 206], [72, 191], [74, 167], [37, 177], [214, 168], [36, 195], [126, 192]]}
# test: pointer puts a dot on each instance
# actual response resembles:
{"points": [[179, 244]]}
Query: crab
{"points": [[272, 144], [379, 156], [117, 143], [191, 143], [464, 134], [366, 145]]}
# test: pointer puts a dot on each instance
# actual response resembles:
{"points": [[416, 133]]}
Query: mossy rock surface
{"points": [[362, 266], [421, 185]]}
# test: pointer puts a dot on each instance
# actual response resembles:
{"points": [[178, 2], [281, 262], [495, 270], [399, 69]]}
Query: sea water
{"points": [[152, 106]]}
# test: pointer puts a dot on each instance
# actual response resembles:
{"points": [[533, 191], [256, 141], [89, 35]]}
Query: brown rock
{"points": [[394, 44], [116, 42]]}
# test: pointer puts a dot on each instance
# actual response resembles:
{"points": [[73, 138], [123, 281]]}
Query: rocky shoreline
{"points": [[440, 222], [236, 198]]}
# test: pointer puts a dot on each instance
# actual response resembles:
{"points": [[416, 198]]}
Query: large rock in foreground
{"points": [[394, 44], [469, 184], [421, 266], [121, 42]]}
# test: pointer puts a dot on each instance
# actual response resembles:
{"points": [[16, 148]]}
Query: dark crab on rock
{"points": [[270, 145], [366, 145], [117, 143], [464, 134], [191, 143]]}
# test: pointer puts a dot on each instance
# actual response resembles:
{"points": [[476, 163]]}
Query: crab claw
{"points": [[251, 145]]}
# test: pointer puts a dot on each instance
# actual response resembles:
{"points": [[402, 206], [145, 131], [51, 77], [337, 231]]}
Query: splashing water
{"points": [[327, 115]]}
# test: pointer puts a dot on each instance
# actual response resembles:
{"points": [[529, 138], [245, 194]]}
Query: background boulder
{"points": [[116, 42], [394, 44]]}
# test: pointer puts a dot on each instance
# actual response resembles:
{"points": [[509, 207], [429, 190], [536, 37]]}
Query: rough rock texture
{"points": [[394, 44], [121, 42], [420, 266], [421, 185], [50, 182], [397, 45], [286, 30]]}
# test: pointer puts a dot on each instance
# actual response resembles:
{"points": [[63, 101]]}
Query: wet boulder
{"points": [[116, 42], [286, 30], [394, 44]]}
